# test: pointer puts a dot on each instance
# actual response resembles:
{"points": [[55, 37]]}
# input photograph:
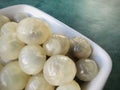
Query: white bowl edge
{"points": [[99, 55]]}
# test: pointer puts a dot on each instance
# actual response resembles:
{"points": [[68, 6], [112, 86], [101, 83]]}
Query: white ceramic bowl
{"points": [[99, 55]]}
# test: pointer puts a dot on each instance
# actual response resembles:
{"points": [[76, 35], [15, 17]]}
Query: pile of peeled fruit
{"points": [[32, 57]]}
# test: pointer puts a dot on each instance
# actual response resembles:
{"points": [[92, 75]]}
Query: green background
{"points": [[99, 20]]}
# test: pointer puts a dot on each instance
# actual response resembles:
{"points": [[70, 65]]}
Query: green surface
{"points": [[97, 19]]}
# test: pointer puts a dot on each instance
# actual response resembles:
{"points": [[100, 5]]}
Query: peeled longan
{"points": [[32, 59], [80, 47], [10, 47], [57, 44], [59, 70], [9, 28], [86, 69], [33, 31], [3, 20], [69, 86], [38, 82], [12, 77]]}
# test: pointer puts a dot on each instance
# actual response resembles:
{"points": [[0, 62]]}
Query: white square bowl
{"points": [[99, 55]]}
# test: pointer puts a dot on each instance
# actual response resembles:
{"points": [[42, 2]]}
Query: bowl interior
{"points": [[99, 55]]}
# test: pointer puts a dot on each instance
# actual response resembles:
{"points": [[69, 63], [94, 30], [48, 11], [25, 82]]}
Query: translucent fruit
{"points": [[9, 28], [33, 31], [59, 70], [38, 82], [3, 20], [86, 69], [32, 59], [69, 86], [12, 77], [80, 48], [57, 44], [10, 47]]}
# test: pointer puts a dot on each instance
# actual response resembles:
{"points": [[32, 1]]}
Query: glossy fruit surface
{"points": [[32, 59], [86, 69], [9, 28], [38, 82], [59, 70], [12, 77], [57, 44], [33, 31], [3, 20], [80, 47], [10, 47], [69, 86]]}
